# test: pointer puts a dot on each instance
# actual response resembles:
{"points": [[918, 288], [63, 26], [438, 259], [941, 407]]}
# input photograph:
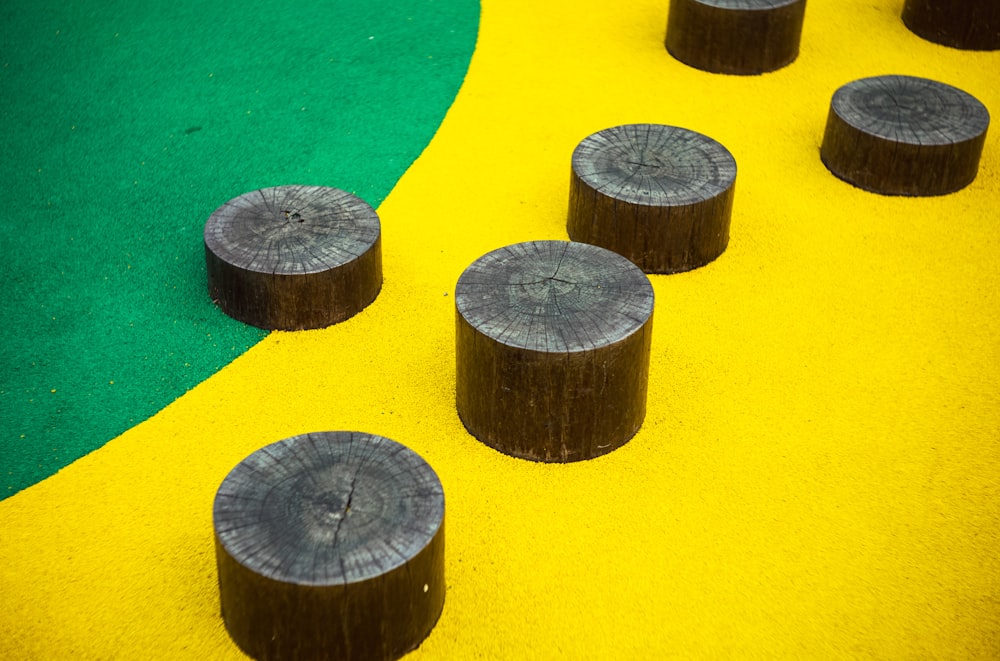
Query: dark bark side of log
{"points": [[742, 37], [965, 24], [902, 135], [293, 257], [552, 350], [662, 196], [330, 545]]}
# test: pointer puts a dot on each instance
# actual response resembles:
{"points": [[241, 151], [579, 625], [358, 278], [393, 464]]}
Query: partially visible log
{"points": [[330, 546], [553, 342], [662, 196], [293, 257], [902, 135], [966, 24], [735, 36]]}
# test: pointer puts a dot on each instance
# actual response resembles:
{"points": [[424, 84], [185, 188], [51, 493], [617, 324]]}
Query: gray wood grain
{"points": [[911, 110], [654, 165], [292, 229], [554, 296], [740, 37], [904, 135], [749, 5], [552, 350], [328, 508], [966, 24]]}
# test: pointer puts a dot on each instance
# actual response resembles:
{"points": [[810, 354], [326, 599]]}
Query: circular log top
{"points": [[328, 508], [910, 110], [748, 5], [654, 165], [292, 230], [554, 296]]}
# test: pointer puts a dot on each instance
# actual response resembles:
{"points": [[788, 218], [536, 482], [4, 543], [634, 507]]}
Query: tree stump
{"points": [[293, 257], [330, 546], [661, 196], [965, 24], [553, 342], [735, 36], [901, 135]]}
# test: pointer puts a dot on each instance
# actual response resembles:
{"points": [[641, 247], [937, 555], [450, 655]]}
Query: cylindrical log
{"points": [[293, 257], [553, 341], [735, 36], [901, 135], [330, 545], [966, 24], [662, 196]]}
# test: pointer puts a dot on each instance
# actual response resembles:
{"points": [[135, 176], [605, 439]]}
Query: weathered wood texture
{"points": [[553, 341], [735, 36], [662, 196], [901, 135], [330, 546], [293, 257], [966, 24]]}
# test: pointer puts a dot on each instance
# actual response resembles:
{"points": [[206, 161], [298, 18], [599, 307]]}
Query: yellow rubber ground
{"points": [[817, 476]]}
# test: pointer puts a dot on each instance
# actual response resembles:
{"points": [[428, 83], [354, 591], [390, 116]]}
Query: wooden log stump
{"points": [[901, 135], [553, 342], [662, 196], [735, 36], [965, 24], [330, 546], [293, 257]]}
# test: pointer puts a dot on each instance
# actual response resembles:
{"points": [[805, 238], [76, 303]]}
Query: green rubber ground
{"points": [[125, 125]]}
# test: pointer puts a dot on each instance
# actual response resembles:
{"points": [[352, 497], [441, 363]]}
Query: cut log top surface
{"points": [[554, 296], [654, 165], [748, 5], [911, 110], [292, 229], [328, 508]]}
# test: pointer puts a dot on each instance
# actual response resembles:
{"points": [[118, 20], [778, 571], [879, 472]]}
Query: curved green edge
{"points": [[126, 125]]}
